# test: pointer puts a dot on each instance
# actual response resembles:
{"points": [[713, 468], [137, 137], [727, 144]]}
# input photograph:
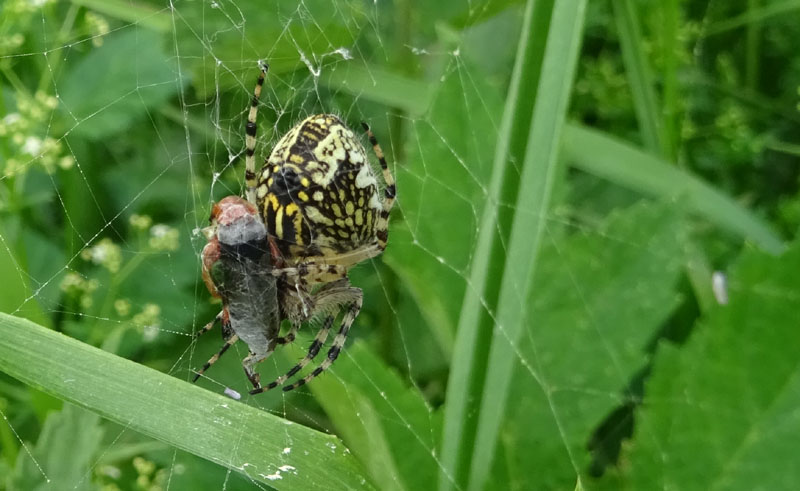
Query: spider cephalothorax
{"points": [[319, 204]]}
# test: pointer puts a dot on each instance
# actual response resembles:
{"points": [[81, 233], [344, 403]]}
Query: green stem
{"points": [[8, 442], [671, 108], [753, 43], [62, 37], [117, 279]]}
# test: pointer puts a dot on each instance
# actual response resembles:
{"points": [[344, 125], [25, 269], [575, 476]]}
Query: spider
{"points": [[311, 213]]}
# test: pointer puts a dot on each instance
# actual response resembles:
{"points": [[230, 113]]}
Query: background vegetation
{"points": [[572, 175]]}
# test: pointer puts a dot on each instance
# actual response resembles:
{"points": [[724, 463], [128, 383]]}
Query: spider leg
{"points": [[254, 359], [382, 227], [319, 340], [249, 363], [327, 300], [344, 260], [312, 267], [218, 318], [338, 342], [290, 336], [228, 343], [250, 138]]}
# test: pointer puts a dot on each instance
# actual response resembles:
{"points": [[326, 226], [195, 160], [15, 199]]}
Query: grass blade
{"points": [[206, 424], [468, 368], [669, 41], [640, 77], [532, 206], [626, 165], [752, 15], [135, 13]]}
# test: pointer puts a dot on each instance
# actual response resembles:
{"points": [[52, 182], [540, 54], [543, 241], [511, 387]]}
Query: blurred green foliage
{"points": [[121, 122]]}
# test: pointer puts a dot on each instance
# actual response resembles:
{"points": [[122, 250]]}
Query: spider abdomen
{"points": [[317, 192]]}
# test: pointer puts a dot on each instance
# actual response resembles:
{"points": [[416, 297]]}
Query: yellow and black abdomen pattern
{"points": [[317, 192]]}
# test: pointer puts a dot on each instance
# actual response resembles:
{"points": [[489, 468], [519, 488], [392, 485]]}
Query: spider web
{"points": [[142, 128]]}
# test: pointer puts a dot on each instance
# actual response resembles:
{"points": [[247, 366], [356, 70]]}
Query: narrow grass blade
{"points": [[623, 164], [669, 39], [468, 368], [532, 206], [753, 48], [136, 13], [640, 77], [206, 424], [752, 15]]}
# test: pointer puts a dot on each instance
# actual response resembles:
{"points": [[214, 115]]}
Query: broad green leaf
{"points": [[598, 298], [63, 456], [209, 425], [116, 84], [449, 158], [721, 411], [221, 41], [385, 423], [380, 85]]}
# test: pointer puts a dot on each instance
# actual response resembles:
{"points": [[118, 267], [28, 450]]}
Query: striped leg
{"points": [[228, 343], [250, 138], [382, 228], [319, 340], [289, 338], [317, 267], [254, 359], [219, 318], [251, 360], [338, 342]]}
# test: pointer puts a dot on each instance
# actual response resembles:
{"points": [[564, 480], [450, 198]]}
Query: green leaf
{"points": [[598, 299], [380, 85], [721, 412], [130, 74], [605, 156], [386, 424], [62, 457], [444, 177], [206, 424], [218, 42]]}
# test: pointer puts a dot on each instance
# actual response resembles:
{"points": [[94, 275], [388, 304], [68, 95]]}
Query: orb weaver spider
{"points": [[310, 214]]}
